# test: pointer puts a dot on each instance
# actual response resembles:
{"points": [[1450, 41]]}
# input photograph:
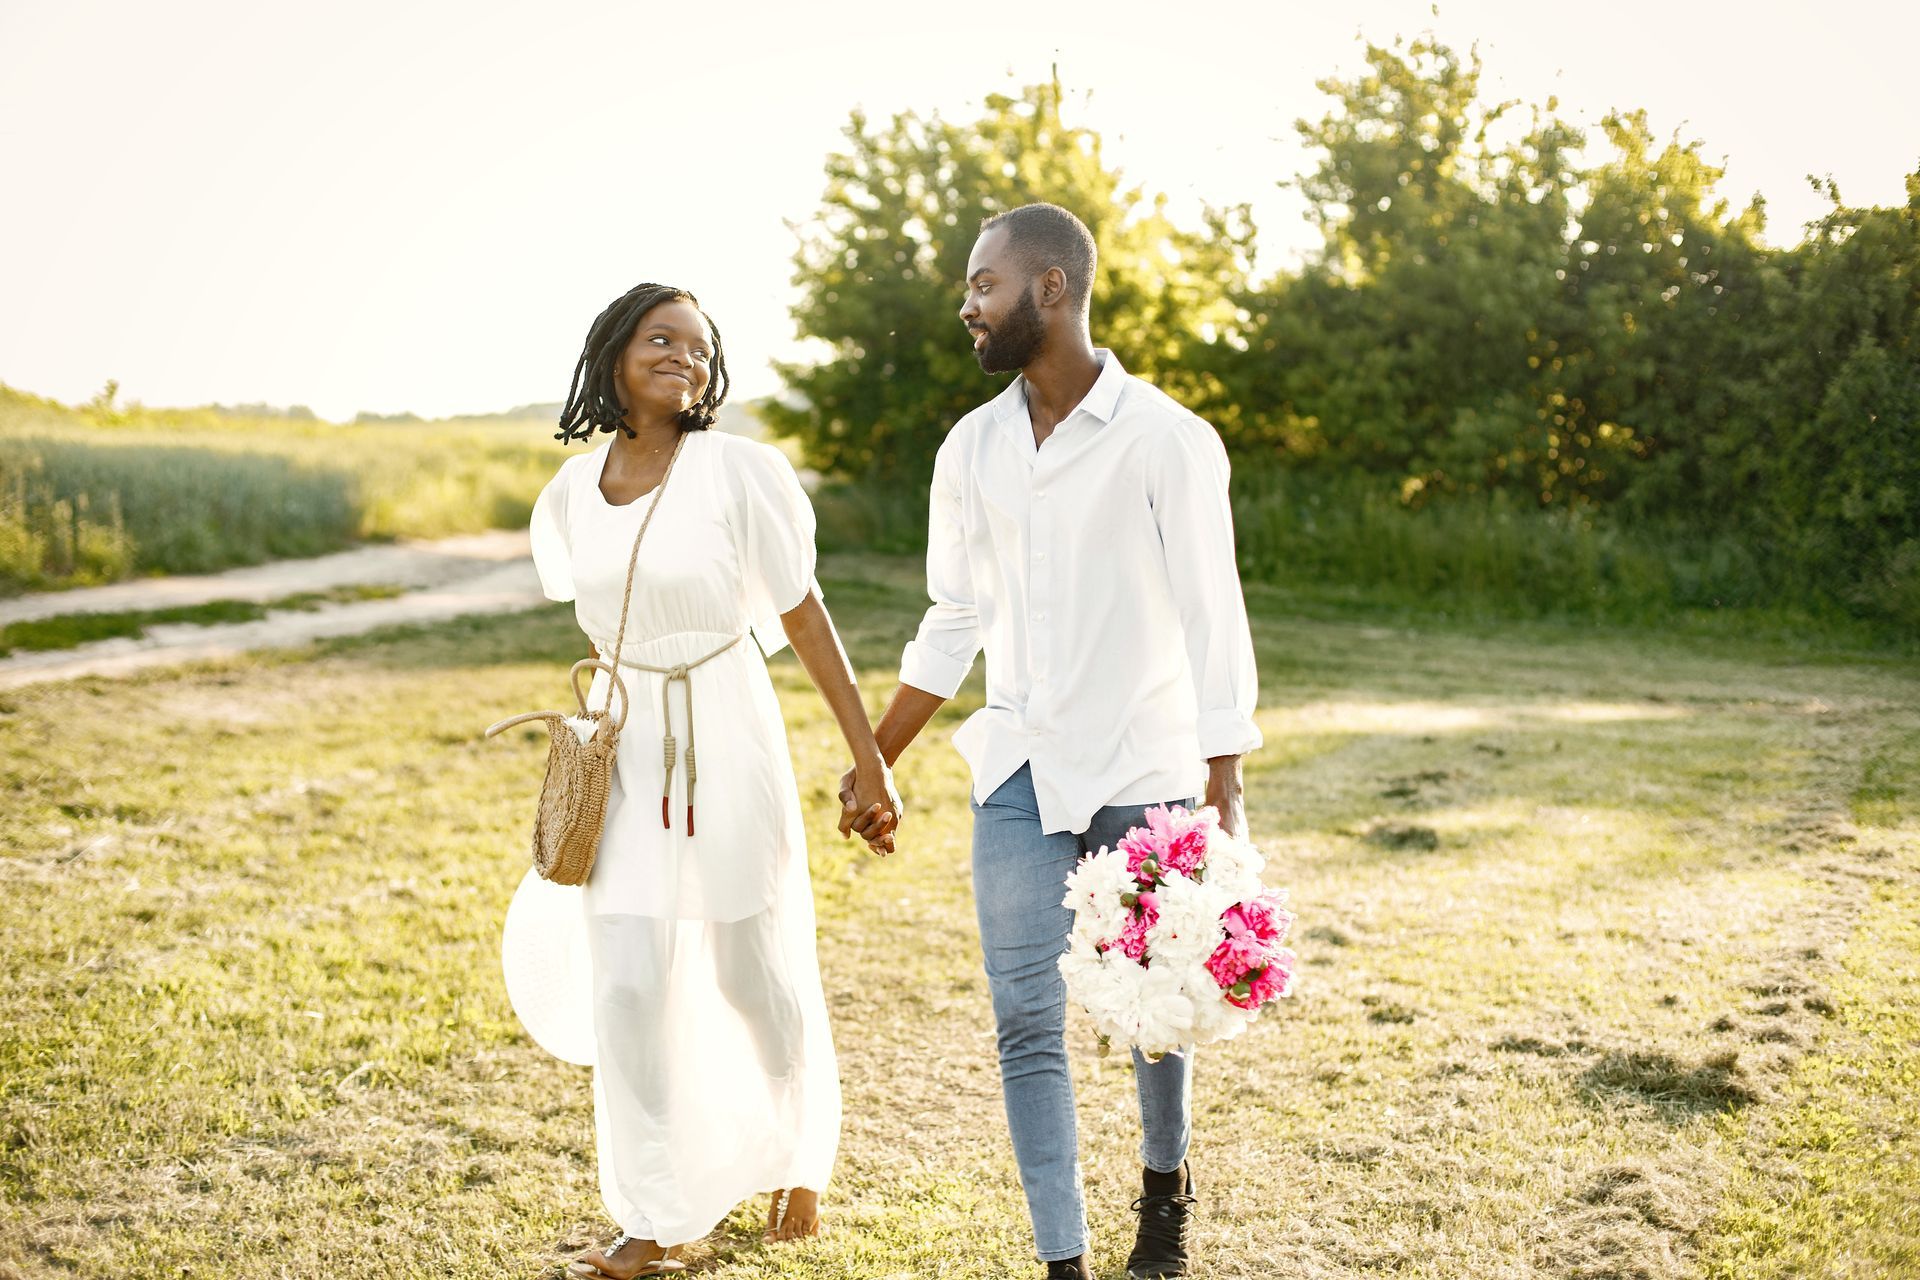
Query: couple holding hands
{"points": [[1079, 534]]}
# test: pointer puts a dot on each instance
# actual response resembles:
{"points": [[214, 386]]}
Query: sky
{"points": [[402, 206]]}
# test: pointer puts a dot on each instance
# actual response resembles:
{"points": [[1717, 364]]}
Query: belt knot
{"points": [[669, 746]]}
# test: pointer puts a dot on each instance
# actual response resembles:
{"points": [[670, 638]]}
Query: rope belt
{"points": [[669, 747]]}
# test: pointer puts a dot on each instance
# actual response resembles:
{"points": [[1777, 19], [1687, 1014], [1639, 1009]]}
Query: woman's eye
{"points": [[698, 354], [657, 338]]}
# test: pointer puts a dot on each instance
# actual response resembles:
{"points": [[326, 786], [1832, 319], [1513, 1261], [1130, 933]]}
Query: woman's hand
{"points": [[871, 807]]}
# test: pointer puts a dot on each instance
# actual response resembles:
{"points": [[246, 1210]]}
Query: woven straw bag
{"points": [[573, 798]]}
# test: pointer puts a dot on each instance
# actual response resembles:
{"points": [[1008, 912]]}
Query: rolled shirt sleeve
{"points": [[1191, 510], [939, 657]]}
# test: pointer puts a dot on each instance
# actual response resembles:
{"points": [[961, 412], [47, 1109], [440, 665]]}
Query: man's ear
{"points": [[1053, 287]]}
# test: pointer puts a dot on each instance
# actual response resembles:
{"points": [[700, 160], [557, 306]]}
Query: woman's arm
{"points": [[815, 642]]}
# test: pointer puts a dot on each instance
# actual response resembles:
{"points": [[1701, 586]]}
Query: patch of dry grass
{"points": [[1646, 972]]}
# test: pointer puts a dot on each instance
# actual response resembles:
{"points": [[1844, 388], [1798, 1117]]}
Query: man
{"points": [[1079, 532]]}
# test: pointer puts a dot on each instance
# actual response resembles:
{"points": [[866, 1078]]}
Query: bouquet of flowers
{"points": [[1175, 940]]}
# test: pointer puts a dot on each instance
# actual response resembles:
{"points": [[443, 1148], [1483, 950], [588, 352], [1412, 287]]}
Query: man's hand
{"points": [[1223, 793]]}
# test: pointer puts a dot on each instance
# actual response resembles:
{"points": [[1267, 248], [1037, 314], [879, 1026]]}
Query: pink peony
{"points": [[1270, 983], [1232, 959], [1173, 837], [1140, 845], [1262, 917], [1187, 850], [1133, 935]]}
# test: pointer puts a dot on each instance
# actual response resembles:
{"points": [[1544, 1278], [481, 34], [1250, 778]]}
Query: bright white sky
{"points": [[395, 205]]}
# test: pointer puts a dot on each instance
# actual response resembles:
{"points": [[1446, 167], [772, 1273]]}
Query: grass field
{"points": [[71, 630], [1610, 970]]}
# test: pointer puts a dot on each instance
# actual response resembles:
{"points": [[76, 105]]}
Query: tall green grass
{"points": [[1295, 527], [1345, 538], [95, 494]]}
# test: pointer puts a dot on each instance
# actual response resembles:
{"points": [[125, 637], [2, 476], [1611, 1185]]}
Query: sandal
{"points": [[666, 1266]]}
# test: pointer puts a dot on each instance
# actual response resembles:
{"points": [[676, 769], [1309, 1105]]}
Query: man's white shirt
{"points": [[1097, 570]]}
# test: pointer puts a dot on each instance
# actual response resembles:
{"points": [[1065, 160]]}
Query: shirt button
{"points": [[1041, 616], [1039, 555], [1041, 494]]}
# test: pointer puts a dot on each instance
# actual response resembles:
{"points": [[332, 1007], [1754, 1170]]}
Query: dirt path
{"points": [[446, 577]]}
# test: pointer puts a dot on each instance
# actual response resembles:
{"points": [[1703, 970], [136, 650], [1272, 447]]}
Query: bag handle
{"points": [[579, 697], [613, 674]]}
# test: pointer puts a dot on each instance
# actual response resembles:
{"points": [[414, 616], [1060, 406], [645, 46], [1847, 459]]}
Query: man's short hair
{"points": [[1045, 235]]}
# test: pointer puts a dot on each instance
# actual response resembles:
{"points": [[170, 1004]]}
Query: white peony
{"points": [[1093, 895], [1164, 1012], [1213, 1018], [1106, 986], [1189, 926], [1233, 866]]}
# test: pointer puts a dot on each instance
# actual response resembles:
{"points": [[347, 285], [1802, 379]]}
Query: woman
{"points": [[714, 1073]]}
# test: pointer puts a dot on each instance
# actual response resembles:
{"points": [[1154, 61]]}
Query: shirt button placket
{"points": [[1039, 579]]}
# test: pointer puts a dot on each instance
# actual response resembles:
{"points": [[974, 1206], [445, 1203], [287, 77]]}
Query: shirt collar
{"points": [[1101, 399]]}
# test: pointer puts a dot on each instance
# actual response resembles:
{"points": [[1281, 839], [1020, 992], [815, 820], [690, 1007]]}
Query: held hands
{"points": [[870, 808]]}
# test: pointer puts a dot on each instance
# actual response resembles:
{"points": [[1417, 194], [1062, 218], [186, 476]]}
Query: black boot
{"points": [[1165, 1207], [1069, 1269]]}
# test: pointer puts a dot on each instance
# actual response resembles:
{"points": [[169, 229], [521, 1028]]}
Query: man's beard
{"points": [[1015, 341]]}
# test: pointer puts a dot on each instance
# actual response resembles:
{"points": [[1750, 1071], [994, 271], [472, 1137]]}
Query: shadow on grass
{"points": [[1719, 1082]]}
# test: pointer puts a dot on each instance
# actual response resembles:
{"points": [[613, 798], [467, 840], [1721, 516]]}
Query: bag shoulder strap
{"points": [[633, 560]]}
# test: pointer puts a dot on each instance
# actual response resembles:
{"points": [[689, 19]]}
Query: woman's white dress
{"points": [[714, 1071]]}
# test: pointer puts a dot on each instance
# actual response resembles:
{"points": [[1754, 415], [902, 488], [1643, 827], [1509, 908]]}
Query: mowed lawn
{"points": [[1610, 968]]}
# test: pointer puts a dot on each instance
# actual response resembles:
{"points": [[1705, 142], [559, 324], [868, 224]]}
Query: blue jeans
{"points": [[1019, 878]]}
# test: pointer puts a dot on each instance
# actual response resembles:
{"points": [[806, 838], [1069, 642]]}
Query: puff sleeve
{"points": [[552, 544], [774, 531]]}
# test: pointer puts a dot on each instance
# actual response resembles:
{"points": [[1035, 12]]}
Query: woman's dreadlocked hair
{"points": [[593, 404]]}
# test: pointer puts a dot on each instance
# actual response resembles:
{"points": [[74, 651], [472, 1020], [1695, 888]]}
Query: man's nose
{"points": [[968, 310]]}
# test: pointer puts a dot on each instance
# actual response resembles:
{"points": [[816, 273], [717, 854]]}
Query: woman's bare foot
{"points": [[794, 1214], [627, 1258]]}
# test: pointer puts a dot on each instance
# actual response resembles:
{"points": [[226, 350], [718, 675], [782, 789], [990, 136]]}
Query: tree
{"points": [[881, 274], [1663, 284], [1835, 412], [1408, 347]]}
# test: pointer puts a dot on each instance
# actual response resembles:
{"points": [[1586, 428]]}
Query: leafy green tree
{"points": [[1834, 417], [1662, 284], [1406, 348], [882, 271]]}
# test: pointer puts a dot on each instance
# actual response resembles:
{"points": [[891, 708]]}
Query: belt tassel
{"points": [[669, 746]]}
